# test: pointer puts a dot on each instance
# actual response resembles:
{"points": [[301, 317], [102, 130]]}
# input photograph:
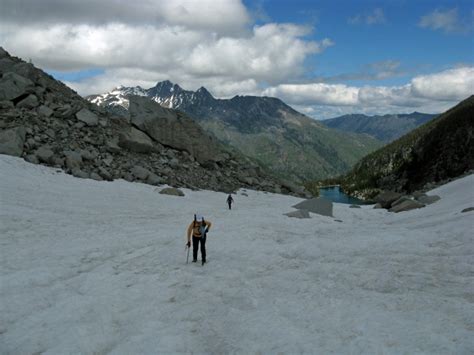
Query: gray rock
{"points": [[406, 205], [50, 133], [104, 173], [354, 206], [13, 85], [29, 102], [79, 173], [298, 214], [108, 161], [140, 172], [73, 159], [428, 200], [45, 111], [45, 155], [6, 105], [171, 129], [136, 141], [12, 141], [6, 64], [400, 200], [59, 162], [154, 179], [247, 180], [95, 176], [418, 194], [88, 117], [378, 206], [31, 158], [469, 209], [318, 205], [88, 155], [172, 191], [111, 146], [386, 198]]}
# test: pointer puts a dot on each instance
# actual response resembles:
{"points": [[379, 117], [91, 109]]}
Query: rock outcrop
{"points": [[318, 205]]}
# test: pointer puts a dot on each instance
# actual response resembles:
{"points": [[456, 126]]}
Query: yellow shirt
{"points": [[193, 229]]}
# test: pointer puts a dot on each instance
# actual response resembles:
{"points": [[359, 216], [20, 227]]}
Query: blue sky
{"points": [[397, 36], [325, 58]]}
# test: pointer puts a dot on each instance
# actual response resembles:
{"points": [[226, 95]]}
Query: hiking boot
{"points": [[194, 261], [203, 262]]}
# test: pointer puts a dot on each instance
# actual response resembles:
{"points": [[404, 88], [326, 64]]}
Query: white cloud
{"points": [[449, 85], [186, 40], [317, 93], [221, 16], [432, 93], [375, 17], [446, 20]]}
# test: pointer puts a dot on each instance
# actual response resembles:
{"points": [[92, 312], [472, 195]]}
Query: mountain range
{"points": [[285, 141], [386, 128]]}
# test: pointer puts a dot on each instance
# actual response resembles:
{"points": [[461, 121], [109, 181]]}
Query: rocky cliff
{"points": [[46, 122], [437, 151]]}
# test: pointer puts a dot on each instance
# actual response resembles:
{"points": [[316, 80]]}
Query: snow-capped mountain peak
{"points": [[166, 93]]}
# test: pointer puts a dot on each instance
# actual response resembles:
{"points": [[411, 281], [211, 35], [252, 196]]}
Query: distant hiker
{"points": [[198, 230], [229, 201]]}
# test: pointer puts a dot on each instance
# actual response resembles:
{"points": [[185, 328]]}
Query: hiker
{"points": [[229, 201], [198, 229]]}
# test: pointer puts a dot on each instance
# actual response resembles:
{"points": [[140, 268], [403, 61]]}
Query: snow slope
{"points": [[99, 267]]}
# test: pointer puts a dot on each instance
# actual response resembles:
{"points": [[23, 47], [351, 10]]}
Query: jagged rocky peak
{"points": [[204, 92]]}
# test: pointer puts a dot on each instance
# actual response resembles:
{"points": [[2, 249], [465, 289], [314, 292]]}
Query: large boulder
{"points": [[318, 205], [172, 191], [172, 129], [135, 141], [73, 159], [298, 214], [88, 117], [386, 198], [45, 155], [406, 205], [12, 141], [140, 173], [29, 102], [400, 200], [13, 86], [428, 199]]}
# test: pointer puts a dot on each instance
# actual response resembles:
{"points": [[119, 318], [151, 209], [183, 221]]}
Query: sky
{"points": [[324, 58]]}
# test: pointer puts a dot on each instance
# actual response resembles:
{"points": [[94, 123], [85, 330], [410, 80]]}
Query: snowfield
{"points": [[100, 267]]}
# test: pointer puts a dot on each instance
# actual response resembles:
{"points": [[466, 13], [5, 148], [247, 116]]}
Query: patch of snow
{"points": [[99, 267]]}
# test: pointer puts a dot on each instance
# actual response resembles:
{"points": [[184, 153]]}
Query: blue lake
{"points": [[335, 194]]}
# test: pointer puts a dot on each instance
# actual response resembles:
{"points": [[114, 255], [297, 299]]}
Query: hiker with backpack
{"points": [[198, 230], [229, 201]]}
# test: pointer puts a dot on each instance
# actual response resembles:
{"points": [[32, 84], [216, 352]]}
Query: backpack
{"points": [[202, 228]]}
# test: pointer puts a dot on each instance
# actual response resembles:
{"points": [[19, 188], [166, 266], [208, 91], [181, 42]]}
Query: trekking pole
{"points": [[187, 257]]}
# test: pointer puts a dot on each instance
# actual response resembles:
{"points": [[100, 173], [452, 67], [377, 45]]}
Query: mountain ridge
{"points": [[284, 140], [439, 150], [386, 128]]}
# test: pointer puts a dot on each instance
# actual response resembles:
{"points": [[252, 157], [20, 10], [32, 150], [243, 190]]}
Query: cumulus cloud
{"points": [[430, 93], [223, 16], [449, 85], [374, 17], [207, 41], [318, 93], [445, 20]]}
